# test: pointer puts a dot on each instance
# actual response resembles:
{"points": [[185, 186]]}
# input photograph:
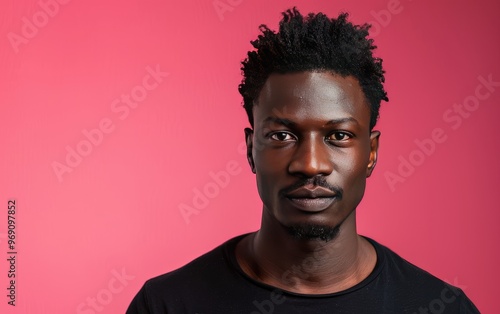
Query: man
{"points": [[312, 92]]}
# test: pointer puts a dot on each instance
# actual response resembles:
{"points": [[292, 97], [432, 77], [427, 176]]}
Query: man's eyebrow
{"points": [[290, 123], [282, 121], [343, 120]]}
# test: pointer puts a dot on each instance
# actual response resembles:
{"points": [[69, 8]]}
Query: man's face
{"points": [[311, 150]]}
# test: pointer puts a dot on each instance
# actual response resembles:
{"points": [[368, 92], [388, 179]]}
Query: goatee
{"points": [[312, 231]]}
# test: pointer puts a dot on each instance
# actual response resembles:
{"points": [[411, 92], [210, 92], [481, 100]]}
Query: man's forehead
{"points": [[310, 93], [321, 85]]}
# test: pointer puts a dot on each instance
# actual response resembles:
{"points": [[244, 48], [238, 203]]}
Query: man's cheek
{"points": [[269, 163]]}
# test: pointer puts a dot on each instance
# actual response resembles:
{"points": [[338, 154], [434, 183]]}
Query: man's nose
{"points": [[312, 157]]}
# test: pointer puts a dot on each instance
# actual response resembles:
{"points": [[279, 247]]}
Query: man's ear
{"points": [[374, 136], [249, 141]]}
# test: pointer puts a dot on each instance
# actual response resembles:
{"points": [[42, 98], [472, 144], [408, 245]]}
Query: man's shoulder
{"points": [[398, 266], [402, 277], [208, 267], [208, 275]]}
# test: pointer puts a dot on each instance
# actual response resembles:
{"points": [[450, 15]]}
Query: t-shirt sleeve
{"points": [[466, 305], [139, 304]]}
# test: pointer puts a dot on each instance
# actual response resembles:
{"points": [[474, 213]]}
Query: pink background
{"points": [[117, 211]]}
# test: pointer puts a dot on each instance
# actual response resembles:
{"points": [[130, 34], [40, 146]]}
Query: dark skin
{"points": [[311, 150]]}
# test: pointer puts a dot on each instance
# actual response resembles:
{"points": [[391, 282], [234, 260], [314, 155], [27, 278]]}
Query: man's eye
{"points": [[282, 136], [339, 136]]}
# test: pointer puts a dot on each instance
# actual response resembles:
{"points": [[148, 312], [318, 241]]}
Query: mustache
{"points": [[315, 181]]}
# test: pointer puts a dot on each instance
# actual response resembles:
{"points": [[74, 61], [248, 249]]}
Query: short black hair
{"points": [[314, 43]]}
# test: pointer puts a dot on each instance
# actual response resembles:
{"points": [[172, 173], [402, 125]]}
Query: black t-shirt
{"points": [[215, 283]]}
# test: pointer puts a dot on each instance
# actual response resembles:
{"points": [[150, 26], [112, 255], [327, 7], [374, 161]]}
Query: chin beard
{"points": [[312, 231]]}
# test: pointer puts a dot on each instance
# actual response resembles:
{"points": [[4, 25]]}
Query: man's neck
{"points": [[275, 257]]}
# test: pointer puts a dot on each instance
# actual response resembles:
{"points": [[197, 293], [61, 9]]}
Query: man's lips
{"points": [[311, 199], [311, 192], [312, 205]]}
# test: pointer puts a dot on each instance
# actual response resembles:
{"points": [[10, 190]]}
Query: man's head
{"points": [[312, 93]]}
